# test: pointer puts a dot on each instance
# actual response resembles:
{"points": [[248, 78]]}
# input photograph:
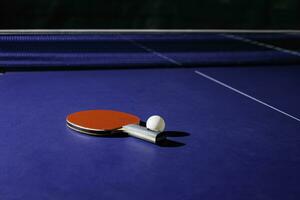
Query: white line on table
{"points": [[246, 95]]}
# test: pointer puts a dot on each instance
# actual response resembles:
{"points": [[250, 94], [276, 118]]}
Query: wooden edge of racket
{"points": [[88, 132]]}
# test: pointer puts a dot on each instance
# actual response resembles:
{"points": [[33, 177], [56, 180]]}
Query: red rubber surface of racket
{"points": [[101, 120]]}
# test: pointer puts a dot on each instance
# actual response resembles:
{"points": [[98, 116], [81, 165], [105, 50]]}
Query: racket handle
{"points": [[143, 133]]}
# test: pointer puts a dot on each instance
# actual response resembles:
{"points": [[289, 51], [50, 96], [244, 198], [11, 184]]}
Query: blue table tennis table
{"points": [[230, 101]]}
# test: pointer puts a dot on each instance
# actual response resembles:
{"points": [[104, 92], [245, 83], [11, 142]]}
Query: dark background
{"points": [[150, 14]]}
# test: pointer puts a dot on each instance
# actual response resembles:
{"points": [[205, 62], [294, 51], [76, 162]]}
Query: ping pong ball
{"points": [[156, 123]]}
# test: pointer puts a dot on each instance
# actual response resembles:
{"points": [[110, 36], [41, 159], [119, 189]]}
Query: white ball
{"points": [[156, 123]]}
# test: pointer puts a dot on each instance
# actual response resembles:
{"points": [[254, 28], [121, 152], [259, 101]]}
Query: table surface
{"points": [[230, 101]]}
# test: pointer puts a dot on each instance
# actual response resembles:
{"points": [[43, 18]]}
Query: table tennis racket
{"points": [[106, 122]]}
